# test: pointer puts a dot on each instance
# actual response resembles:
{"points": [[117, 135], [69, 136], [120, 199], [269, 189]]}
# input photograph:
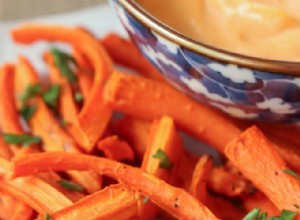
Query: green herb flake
{"points": [[164, 159], [146, 199], [78, 97], [252, 215], [65, 62], [31, 91], [51, 96], [288, 215], [70, 186], [256, 215], [63, 123], [23, 139], [27, 111], [292, 173], [48, 217]]}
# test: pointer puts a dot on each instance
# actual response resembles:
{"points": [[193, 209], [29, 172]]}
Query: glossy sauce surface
{"points": [[260, 28]]}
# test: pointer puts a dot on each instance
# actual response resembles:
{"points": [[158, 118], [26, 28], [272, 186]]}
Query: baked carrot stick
{"points": [[200, 177], [11, 208], [163, 151], [115, 202], [288, 150], [53, 179], [132, 94], [135, 131], [5, 151], [268, 172], [44, 199], [9, 118], [84, 73], [259, 200], [116, 149], [119, 48], [94, 116], [228, 184], [44, 124], [287, 132], [175, 200]]}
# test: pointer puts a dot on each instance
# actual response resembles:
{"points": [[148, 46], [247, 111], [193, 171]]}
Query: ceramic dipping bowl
{"points": [[244, 87]]}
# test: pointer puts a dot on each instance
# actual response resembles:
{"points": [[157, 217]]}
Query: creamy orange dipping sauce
{"points": [[261, 28]]}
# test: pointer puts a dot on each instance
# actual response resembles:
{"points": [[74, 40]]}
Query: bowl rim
{"points": [[260, 64]]}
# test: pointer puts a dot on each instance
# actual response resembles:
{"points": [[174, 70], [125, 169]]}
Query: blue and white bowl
{"points": [[244, 87]]}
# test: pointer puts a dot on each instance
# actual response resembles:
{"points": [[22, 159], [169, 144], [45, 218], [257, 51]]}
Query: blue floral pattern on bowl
{"points": [[240, 92]]}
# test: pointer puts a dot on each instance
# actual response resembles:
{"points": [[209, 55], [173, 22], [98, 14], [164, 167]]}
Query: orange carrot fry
{"points": [[267, 170], [53, 178], [163, 137], [224, 209], [5, 152], [84, 73], [288, 150], [44, 124], [115, 202], [200, 177], [135, 131], [11, 208], [229, 184], [9, 118], [287, 132], [119, 48], [259, 200], [132, 95], [175, 200], [116, 149], [44, 199], [94, 116]]}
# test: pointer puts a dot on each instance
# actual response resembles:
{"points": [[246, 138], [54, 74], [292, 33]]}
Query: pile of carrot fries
{"points": [[63, 155]]}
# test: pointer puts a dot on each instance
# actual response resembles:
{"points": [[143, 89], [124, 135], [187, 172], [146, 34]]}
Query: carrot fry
{"points": [[267, 170], [11, 208], [132, 95], [5, 152], [229, 184], [94, 116], [288, 150], [135, 131], [259, 200], [53, 178], [163, 137], [287, 132], [84, 73], [116, 149], [175, 200], [119, 48], [115, 202], [44, 199], [9, 118], [224, 209], [46, 126], [200, 177]]}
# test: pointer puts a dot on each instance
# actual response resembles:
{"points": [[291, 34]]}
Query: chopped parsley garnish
{"points": [[292, 173], [70, 186], [48, 217], [164, 159], [31, 91], [63, 123], [78, 97], [23, 139], [51, 96], [27, 111], [66, 63], [256, 215], [146, 199]]}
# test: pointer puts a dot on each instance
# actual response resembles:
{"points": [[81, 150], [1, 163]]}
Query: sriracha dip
{"points": [[260, 28]]}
